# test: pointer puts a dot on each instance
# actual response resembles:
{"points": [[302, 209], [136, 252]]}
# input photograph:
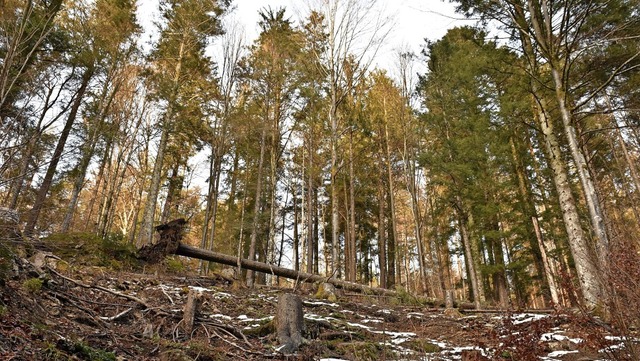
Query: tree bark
{"points": [[468, 255], [256, 208], [596, 214], [553, 289], [382, 240]]}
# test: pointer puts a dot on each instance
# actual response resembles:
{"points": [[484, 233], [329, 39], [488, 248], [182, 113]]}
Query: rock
{"points": [[228, 273], [328, 292], [453, 313], [41, 259], [289, 322]]}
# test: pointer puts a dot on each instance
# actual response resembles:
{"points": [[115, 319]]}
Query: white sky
{"points": [[414, 21]]}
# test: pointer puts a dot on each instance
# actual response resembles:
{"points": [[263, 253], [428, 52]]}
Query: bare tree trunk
{"points": [[148, 215], [296, 235], [553, 289], [310, 207], [146, 227], [335, 213], [256, 208], [173, 190], [585, 264], [351, 260], [393, 237], [584, 261], [530, 210], [34, 214], [592, 199], [382, 240], [468, 255]]}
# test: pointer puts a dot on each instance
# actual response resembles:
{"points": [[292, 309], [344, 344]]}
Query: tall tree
{"points": [[272, 64], [558, 35], [180, 73], [355, 30]]}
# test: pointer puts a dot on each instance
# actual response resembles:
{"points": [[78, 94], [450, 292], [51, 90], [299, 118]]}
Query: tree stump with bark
{"points": [[289, 322]]}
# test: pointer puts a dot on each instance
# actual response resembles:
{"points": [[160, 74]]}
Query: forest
{"points": [[506, 170]]}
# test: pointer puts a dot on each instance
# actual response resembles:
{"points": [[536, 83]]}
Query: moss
{"points": [[422, 346], [365, 350], [174, 265], [32, 285], [110, 251], [86, 352]]}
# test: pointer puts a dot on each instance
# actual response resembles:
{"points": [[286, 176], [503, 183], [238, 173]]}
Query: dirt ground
{"points": [[93, 313]]}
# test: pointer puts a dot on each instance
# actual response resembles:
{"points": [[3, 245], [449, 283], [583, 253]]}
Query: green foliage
{"points": [[32, 285], [89, 249], [86, 352], [422, 346], [405, 298], [175, 265]]}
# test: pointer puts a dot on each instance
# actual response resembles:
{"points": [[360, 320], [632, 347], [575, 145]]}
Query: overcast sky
{"points": [[414, 20]]}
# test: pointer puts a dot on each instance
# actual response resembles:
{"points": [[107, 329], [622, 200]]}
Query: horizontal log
{"points": [[194, 252]]}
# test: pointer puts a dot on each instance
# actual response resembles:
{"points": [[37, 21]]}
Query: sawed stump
{"points": [[289, 322]]}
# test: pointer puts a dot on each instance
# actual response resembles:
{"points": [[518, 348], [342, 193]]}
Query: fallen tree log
{"points": [[193, 252], [170, 235]]}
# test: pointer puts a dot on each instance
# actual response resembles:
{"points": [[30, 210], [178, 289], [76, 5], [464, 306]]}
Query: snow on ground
{"points": [[395, 330]]}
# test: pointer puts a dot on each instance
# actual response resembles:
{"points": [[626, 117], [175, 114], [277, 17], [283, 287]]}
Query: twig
{"points": [[118, 316], [129, 297], [166, 294], [236, 345], [175, 332], [229, 329]]}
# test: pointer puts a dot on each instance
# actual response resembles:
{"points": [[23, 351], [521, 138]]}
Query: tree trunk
{"points": [[393, 236], [382, 241], [529, 209], [256, 208], [335, 219], [468, 255], [148, 215], [584, 261], [310, 208], [352, 258], [596, 214], [34, 214], [553, 289], [173, 192], [296, 235], [586, 267]]}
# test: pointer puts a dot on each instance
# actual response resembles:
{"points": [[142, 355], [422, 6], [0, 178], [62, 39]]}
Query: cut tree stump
{"points": [[289, 322], [190, 310]]}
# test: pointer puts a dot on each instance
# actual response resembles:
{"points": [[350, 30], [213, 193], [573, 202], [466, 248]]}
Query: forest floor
{"points": [[65, 312]]}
